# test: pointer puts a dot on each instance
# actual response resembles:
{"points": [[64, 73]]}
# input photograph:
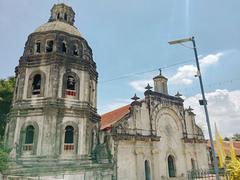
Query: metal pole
{"points": [[206, 110]]}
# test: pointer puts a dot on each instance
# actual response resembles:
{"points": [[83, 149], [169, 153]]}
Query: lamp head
{"points": [[179, 41]]}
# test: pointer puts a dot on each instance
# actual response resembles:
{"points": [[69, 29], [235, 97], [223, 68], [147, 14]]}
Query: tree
{"points": [[6, 95], [4, 154], [236, 137], [226, 139]]}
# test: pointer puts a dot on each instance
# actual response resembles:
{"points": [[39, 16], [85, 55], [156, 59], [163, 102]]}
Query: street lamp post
{"points": [[203, 101]]}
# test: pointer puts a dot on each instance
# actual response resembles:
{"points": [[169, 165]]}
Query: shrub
{"points": [[3, 159]]}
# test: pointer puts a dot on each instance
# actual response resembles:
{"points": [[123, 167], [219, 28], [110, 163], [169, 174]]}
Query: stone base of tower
{"points": [[60, 170]]}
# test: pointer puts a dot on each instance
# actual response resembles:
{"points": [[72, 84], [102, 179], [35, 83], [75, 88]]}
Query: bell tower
{"points": [[63, 13], [54, 115], [160, 84]]}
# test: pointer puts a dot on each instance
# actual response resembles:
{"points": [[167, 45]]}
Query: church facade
{"points": [[155, 137], [55, 132]]}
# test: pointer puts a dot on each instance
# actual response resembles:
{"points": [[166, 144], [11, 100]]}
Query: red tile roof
{"points": [[226, 144], [110, 118]]}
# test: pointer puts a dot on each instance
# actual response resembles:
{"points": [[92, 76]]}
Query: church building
{"points": [[54, 131], [155, 137]]}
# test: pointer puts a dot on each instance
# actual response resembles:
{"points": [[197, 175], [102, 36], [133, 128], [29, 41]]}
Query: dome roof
{"points": [[58, 26]]}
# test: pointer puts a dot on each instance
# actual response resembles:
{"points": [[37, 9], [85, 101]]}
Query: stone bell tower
{"points": [[54, 117], [160, 84]]}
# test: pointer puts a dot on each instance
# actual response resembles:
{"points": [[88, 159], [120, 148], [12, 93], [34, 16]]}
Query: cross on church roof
{"points": [[148, 87], [160, 70], [190, 109], [135, 98], [178, 94]]}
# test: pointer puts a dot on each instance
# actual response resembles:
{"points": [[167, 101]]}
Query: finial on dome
{"points": [[62, 12]]}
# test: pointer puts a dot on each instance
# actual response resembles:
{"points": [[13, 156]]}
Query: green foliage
{"points": [[6, 95], [236, 137], [226, 139], [3, 157]]}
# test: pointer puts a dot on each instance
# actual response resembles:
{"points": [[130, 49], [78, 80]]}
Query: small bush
{"points": [[3, 159]]}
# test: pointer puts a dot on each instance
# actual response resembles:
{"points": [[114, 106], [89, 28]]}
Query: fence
{"points": [[209, 174]]}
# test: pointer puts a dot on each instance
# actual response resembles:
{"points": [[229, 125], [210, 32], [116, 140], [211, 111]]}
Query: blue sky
{"points": [[130, 36]]}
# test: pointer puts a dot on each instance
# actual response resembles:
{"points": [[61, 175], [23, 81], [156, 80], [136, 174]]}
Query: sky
{"points": [[129, 39]]}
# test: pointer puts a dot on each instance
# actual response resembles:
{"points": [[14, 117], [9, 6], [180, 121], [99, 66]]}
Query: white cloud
{"points": [[210, 59], [185, 74], [140, 85], [223, 107]]}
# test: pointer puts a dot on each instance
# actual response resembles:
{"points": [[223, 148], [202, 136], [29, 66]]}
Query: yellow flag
{"points": [[219, 147], [232, 151]]}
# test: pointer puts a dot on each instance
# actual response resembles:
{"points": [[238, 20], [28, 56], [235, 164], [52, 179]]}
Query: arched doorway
{"points": [[147, 170]]}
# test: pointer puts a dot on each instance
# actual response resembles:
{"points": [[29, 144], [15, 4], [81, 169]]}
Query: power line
{"points": [[210, 85], [123, 76]]}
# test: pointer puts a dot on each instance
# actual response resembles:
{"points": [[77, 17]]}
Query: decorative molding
{"points": [[155, 151], [139, 151]]}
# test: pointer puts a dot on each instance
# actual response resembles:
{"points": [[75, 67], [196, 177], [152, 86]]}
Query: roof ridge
{"points": [[110, 118], [115, 109]]}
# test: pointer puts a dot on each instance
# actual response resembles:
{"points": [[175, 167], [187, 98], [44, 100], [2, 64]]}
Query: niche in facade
{"points": [[69, 139], [171, 166], [58, 16], [147, 170], [49, 46], [75, 50], [64, 47], [65, 16], [71, 89], [38, 47], [28, 145], [36, 85]]}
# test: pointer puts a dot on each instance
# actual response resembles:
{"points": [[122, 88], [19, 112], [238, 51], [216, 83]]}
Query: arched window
{"points": [[64, 47], [75, 50], [193, 164], [93, 139], [69, 139], [91, 93], [58, 16], [38, 47], [49, 46], [171, 166], [71, 89], [147, 170], [36, 85], [28, 145], [65, 16]]}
